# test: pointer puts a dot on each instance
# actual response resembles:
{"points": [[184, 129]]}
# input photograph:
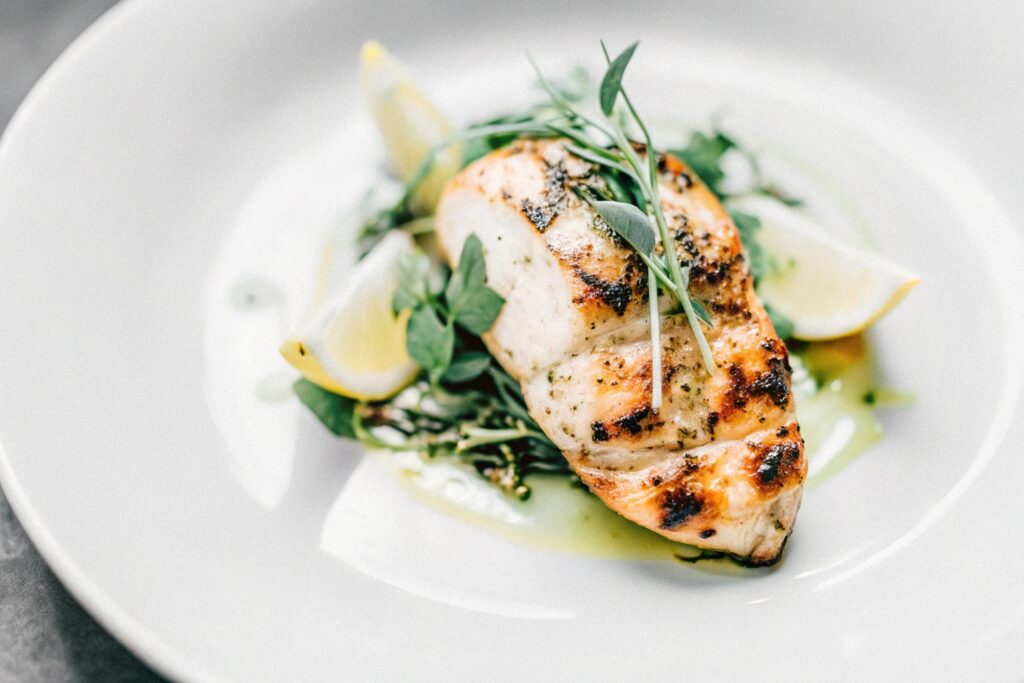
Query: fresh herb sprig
{"points": [[631, 209], [706, 154], [463, 405], [631, 213]]}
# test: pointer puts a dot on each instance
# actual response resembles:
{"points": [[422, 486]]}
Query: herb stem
{"points": [[655, 315], [560, 102], [481, 436], [649, 188]]}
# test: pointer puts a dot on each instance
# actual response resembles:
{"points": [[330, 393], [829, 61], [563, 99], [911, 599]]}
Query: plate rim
{"points": [[150, 647], [137, 638]]}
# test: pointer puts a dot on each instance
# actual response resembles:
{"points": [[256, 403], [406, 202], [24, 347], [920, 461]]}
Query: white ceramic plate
{"points": [[164, 191]]}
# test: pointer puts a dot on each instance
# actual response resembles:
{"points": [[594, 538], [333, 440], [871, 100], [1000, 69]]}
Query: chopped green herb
{"points": [[757, 259], [471, 302], [334, 411], [429, 341], [704, 155], [464, 405], [467, 367]]}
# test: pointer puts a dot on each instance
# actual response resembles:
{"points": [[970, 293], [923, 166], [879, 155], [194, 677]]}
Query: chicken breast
{"points": [[721, 464]]}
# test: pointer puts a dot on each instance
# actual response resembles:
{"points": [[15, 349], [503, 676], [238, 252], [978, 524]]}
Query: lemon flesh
{"points": [[409, 124], [352, 343], [827, 288]]}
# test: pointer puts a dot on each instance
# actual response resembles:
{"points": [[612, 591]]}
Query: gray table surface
{"points": [[44, 634]]}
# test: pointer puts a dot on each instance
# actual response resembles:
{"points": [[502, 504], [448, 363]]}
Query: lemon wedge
{"points": [[352, 343], [827, 288], [409, 124]]}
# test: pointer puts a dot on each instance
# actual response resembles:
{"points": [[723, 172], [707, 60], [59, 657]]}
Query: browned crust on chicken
{"points": [[721, 464]]}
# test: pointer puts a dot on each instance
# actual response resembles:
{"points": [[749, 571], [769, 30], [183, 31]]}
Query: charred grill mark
{"points": [[616, 294], [773, 383], [773, 466], [554, 186], [712, 421], [632, 423], [678, 506], [713, 272], [540, 216], [707, 533], [685, 239]]}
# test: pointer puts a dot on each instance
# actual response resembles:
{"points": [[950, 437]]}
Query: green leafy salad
{"points": [[463, 404]]}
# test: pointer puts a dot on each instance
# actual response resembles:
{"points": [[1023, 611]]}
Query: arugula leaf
{"points": [[704, 155], [429, 342], [630, 223], [334, 411], [612, 81], [759, 261], [471, 302], [412, 281], [468, 366]]}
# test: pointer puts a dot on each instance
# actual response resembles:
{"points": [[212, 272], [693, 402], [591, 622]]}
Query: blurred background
{"points": [[44, 634]]}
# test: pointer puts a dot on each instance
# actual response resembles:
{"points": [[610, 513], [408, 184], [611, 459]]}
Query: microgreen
{"points": [[471, 302], [706, 153], [467, 301], [334, 411], [467, 367], [784, 327], [759, 262], [464, 405], [429, 341]]}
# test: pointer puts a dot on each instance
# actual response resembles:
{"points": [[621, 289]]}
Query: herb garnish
{"points": [[633, 183], [705, 154], [466, 406]]}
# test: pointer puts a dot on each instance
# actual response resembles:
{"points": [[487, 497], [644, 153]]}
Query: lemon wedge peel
{"points": [[409, 125], [828, 289], [352, 343]]}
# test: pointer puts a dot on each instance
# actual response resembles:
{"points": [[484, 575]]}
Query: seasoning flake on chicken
{"points": [[721, 464]]}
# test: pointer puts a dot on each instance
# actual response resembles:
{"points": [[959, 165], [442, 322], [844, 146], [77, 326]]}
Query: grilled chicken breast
{"points": [[721, 464]]}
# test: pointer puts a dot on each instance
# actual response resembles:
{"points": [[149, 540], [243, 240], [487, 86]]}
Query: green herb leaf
{"points": [[468, 366], [702, 312], [758, 260], [630, 223], [704, 155], [334, 411], [783, 325], [471, 302], [480, 316], [412, 281], [612, 81], [429, 342]]}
